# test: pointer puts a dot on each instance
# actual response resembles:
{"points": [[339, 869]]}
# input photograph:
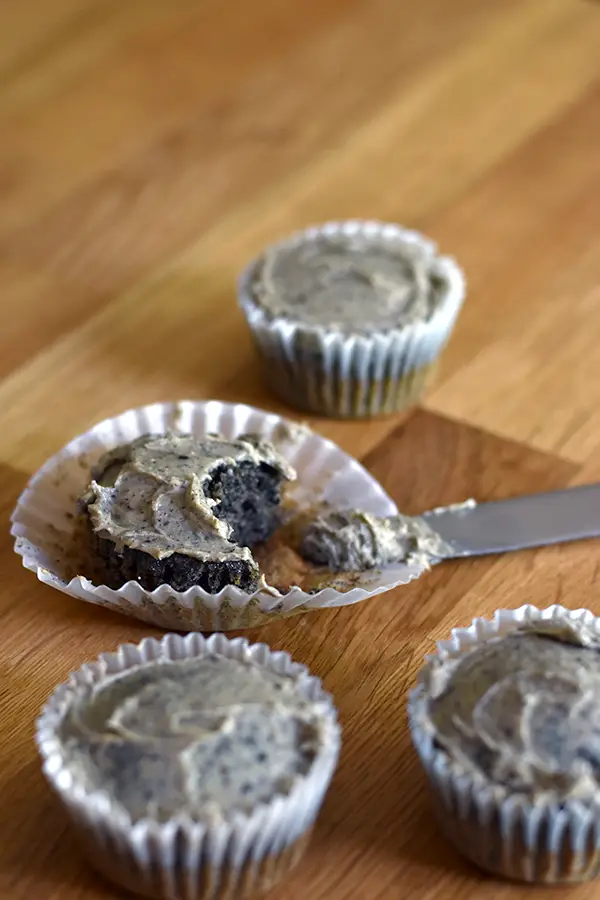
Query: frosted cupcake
{"points": [[506, 721], [192, 768], [179, 510], [350, 317]]}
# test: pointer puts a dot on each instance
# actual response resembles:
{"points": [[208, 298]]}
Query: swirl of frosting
{"points": [[206, 737], [356, 283], [152, 495], [523, 711]]}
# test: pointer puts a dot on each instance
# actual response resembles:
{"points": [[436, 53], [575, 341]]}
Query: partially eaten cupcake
{"points": [[185, 511], [195, 520]]}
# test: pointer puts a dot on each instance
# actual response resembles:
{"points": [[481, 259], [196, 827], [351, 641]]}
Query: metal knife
{"points": [[343, 540], [534, 520]]}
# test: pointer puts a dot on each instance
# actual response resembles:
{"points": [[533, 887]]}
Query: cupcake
{"points": [[191, 768], [184, 511], [506, 721], [351, 317]]}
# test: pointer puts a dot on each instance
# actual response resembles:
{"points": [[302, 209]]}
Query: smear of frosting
{"points": [[349, 540]]}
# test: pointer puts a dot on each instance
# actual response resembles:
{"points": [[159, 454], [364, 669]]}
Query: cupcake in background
{"points": [[506, 722], [350, 318], [193, 768]]}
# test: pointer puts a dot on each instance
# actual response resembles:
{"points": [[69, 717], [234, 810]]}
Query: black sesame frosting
{"points": [[522, 711], [357, 283], [205, 737]]}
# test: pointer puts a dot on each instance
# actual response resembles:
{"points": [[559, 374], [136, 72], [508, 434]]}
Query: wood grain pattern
{"points": [[147, 150]]}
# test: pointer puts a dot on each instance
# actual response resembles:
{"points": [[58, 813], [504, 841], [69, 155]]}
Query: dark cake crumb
{"points": [[249, 498], [178, 571]]}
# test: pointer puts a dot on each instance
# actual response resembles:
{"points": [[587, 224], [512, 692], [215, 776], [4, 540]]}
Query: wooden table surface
{"points": [[147, 150]]}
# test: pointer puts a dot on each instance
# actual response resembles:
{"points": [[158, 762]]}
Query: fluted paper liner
{"points": [[504, 832], [43, 522], [182, 859], [324, 371]]}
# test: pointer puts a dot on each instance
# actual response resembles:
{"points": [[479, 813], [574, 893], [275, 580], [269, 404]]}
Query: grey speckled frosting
{"points": [[523, 711], [205, 737], [357, 284], [352, 541], [150, 495]]}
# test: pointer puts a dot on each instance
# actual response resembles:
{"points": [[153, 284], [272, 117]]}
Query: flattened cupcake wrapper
{"points": [[506, 833], [44, 523], [324, 371], [182, 859]]}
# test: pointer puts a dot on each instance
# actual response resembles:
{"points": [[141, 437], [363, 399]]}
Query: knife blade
{"points": [[533, 520]]}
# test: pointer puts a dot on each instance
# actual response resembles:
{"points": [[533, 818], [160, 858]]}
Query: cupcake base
{"points": [[179, 571], [192, 877], [483, 842], [344, 398]]}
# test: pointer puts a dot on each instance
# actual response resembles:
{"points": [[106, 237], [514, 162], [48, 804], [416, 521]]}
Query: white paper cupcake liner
{"points": [[326, 372], [506, 833], [43, 522], [183, 859]]}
